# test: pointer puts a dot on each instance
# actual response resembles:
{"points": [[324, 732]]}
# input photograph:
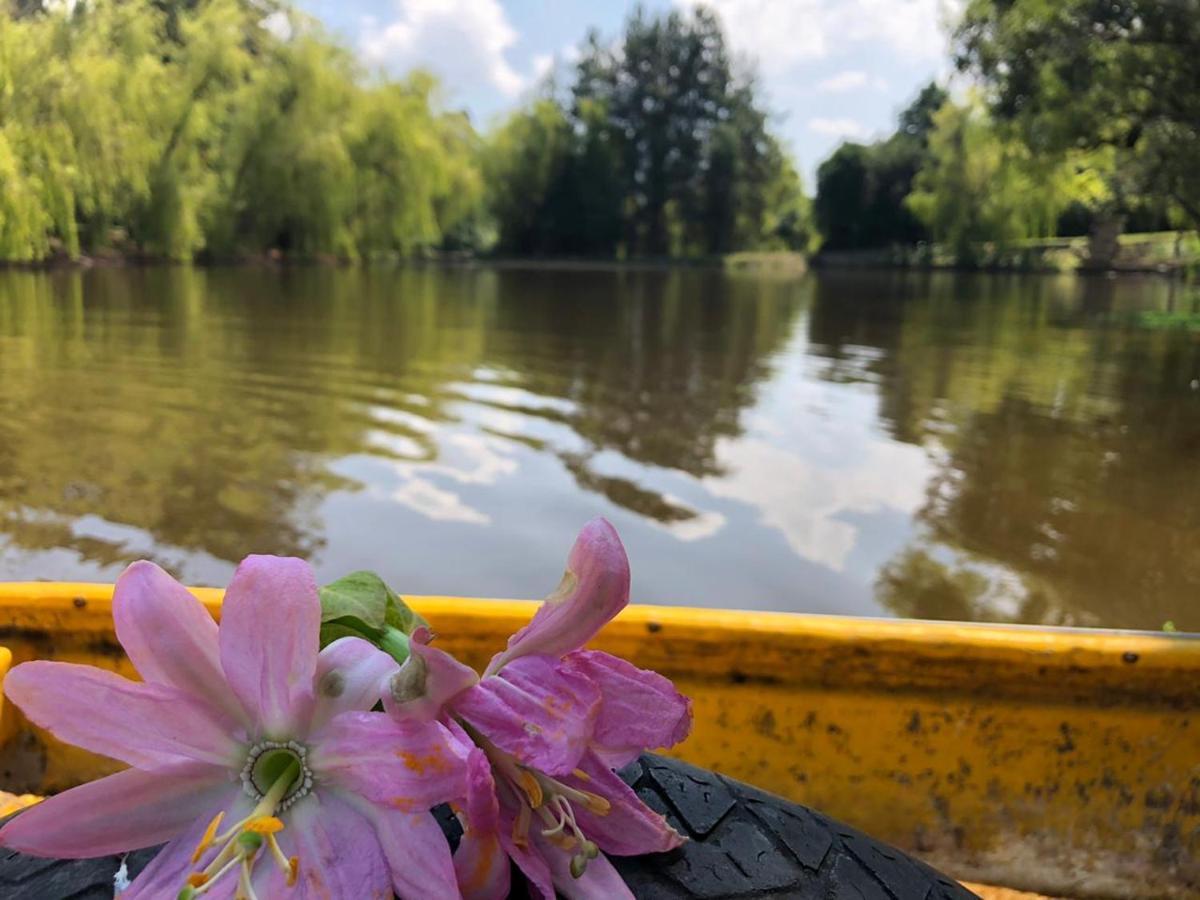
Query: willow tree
{"points": [[178, 129], [982, 185]]}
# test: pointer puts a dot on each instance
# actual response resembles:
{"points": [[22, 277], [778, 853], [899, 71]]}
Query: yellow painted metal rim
{"points": [[1065, 761]]}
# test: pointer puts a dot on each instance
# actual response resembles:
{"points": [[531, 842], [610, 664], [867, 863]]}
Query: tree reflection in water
{"points": [[965, 447]]}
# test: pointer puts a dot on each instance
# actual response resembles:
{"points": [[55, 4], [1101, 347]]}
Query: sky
{"points": [[831, 70]]}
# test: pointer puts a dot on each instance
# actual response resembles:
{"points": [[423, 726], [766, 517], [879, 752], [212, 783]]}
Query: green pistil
{"points": [[275, 772]]}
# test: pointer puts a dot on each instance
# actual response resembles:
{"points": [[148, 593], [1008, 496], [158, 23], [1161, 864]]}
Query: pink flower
{"points": [[250, 752], [549, 723]]}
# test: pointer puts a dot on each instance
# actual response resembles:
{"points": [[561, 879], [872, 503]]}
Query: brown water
{"points": [[988, 448]]}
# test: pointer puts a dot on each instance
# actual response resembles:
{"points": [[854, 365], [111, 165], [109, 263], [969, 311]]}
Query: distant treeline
{"points": [[655, 147], [219, 129], [1084, 118], [176, 129]]}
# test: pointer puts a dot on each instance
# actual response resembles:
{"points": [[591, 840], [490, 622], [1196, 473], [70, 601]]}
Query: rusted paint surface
{"points": [[1060, 761]]}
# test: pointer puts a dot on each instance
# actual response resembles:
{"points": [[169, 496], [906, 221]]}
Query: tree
{"points": [[1085, 74], [982, 185], [657, 147], [861, 188], [176, 129]]}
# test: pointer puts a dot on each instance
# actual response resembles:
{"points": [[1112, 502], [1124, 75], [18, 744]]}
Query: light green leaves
{"points": [[362, 605]]}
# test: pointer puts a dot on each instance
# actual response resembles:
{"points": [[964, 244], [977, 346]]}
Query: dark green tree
{"points": [[861, 189], [657, 147], [1087, 74]]}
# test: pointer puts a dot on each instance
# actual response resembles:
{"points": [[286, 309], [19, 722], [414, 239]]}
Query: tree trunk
{"points": [[1103, 245]]}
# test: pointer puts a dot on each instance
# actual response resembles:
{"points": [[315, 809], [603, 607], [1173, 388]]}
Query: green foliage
{"points": [[1081, 74], [177, 130], [982, 185], [861, 189], [658, 148], [362, 605]]}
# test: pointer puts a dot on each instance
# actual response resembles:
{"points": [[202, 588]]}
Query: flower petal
{"points": [[145, 725], [269, 639], [594, 588], [411, 766], [169, 869], [338, 849], [630, 827], [527, 856], [480, 862], [126, 811], [350, 677], [599, 881], [428, 680], [535, 709], [169, 636], [639, 709], [416, 851]]}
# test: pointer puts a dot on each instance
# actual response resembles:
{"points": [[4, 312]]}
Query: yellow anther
{"points": [[289, 866], [264, 825], [582, 775], [210, 834], [595, 803], [533, 790], [196, 879], [520, 832]]}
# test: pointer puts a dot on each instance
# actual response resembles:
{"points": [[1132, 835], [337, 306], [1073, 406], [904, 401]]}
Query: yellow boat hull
{"points": [[1056, 760]]}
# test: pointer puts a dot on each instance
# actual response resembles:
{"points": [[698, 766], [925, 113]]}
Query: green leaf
{"points": [[362, 605], [361, 595], [401, 617], [332, 631]]}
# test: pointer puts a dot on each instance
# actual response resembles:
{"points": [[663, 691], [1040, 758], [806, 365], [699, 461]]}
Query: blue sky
{"points": [[831, 69]]}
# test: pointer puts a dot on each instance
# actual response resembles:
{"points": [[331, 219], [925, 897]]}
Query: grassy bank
{"points": [[1162, 252]]}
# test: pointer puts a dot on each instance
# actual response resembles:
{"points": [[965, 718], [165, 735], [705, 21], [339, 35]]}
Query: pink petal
{"points": [[169, 636], [594, 588], [600, 881], [412, 766], [351, 675], [167, 873], [126, 811], [269, 638], [482, 807], [528, 857], [145, 725], [639, 709], [338, 849], [480, 862], [416, 851], [536, 710], [429, 679], [482, 867], [630, 828]]}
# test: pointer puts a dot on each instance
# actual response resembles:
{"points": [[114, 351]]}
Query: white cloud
{"points": [[838, 128], [849, 80], [542, 63], [463, 41], [780, 35]]}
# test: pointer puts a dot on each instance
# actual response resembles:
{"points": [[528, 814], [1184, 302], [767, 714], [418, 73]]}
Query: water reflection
{"points": [[979, 448], [1064, 423]]}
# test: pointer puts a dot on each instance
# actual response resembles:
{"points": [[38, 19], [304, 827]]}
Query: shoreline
{"points": [[783, 262], [777, 263]]}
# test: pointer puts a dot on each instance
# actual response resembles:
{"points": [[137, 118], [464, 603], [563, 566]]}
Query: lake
{"points": [[991, 448]]}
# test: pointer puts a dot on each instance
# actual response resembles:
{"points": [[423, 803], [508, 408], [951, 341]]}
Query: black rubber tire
{"points": [[744, 843]]}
